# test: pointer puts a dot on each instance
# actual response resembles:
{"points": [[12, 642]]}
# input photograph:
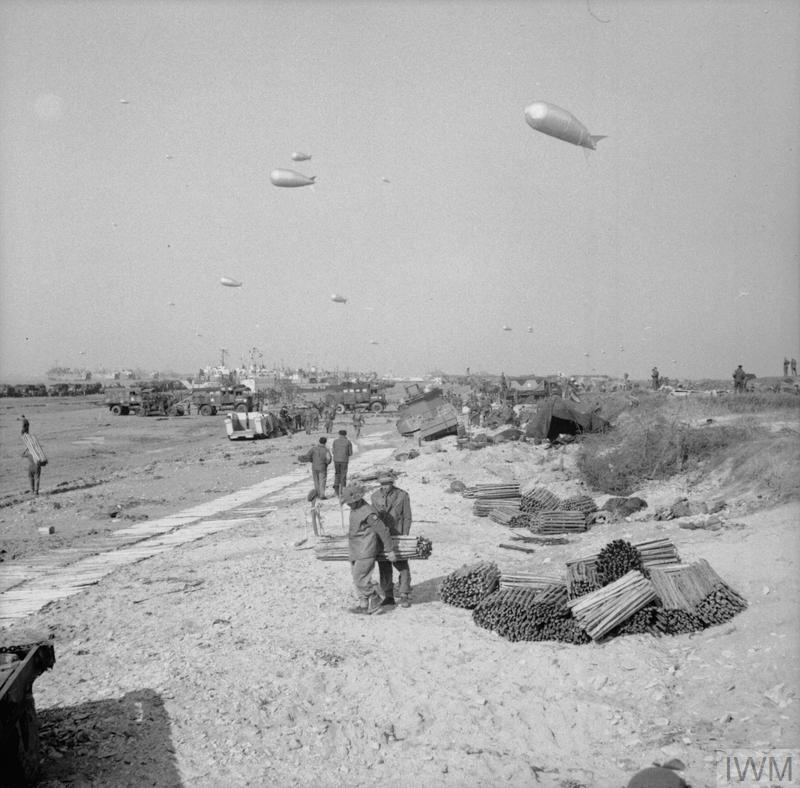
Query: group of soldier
{"points": [[371, 525]]}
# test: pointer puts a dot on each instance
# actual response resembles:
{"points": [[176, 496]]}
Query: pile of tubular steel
{"points": [[639, 588], [490, 498], [406, 548], [528, 614], [543, 512], [467, 586]]}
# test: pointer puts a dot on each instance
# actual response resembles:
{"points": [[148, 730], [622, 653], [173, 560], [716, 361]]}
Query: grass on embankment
{"points": [[749, 440]]}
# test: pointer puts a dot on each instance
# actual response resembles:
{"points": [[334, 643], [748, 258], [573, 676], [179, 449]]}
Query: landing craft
{"points": [[338, 299], [228, 282], [290, 178], [557, 122], [300, 156]]}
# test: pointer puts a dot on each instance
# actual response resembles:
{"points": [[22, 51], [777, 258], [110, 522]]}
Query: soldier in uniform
{"points": [[366, 535], [394, 508]]}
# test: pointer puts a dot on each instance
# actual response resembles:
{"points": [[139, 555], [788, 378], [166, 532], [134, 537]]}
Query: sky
{"points": [[137, 140]]}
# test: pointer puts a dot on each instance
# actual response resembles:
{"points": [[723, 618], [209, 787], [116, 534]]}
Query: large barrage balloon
{"points": [[557, 122], [290, 178], [228, 282], [300, 156], [338, 298]]}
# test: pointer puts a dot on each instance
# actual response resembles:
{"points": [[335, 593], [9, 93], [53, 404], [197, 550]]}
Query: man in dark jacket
{"points": [[739, 378], [367, 535], [342, 450], [394, 508], [320, 459]]}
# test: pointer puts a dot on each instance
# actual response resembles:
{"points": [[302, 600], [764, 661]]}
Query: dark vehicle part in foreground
{"points": [[20, 666]]}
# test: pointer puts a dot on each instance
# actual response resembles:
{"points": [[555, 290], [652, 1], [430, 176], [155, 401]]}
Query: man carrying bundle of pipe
{"points": [[394, 508], [366, 534]]}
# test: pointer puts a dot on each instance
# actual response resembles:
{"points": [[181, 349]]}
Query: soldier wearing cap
{"points": [[366, 535], [394, 508], [342, 450]]}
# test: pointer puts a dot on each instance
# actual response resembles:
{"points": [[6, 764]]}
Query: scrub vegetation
{"points": [[743, 438]]}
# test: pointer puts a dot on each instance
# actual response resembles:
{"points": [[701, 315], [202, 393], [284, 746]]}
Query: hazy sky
{"points": [[674, 243]]}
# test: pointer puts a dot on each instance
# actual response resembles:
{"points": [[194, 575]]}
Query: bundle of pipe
{"points": [[498, 490], [697, 589], [657, 552], [529, 580], [502, 516], [528, 614], [598, 612], [521, 520], [539, 499], [579, 503], [582, 576], [557, 522], [616, 559], [483, 506], [468, 585], [642, 622], [406, 548]]}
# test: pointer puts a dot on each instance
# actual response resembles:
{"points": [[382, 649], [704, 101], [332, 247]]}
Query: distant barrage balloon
{"points": [[300, 156], [291, 179], [339, 299], [557, 122], [124, 101], [373, 341], [506, 328], [228, 282], [530, 329]]}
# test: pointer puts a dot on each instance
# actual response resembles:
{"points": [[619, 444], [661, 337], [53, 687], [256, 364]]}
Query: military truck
{"points": [[122, 400], [357, 395], [210, 401], [145, 399]]}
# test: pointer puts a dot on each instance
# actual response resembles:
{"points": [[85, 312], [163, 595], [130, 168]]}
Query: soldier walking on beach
{"points": [[342, 450], [329, 416], [794, 367], [34, 471], [320, 459], [785, 366], [358, 423], [366, 535], [26, 425], [655, 377], [394, 508]]}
